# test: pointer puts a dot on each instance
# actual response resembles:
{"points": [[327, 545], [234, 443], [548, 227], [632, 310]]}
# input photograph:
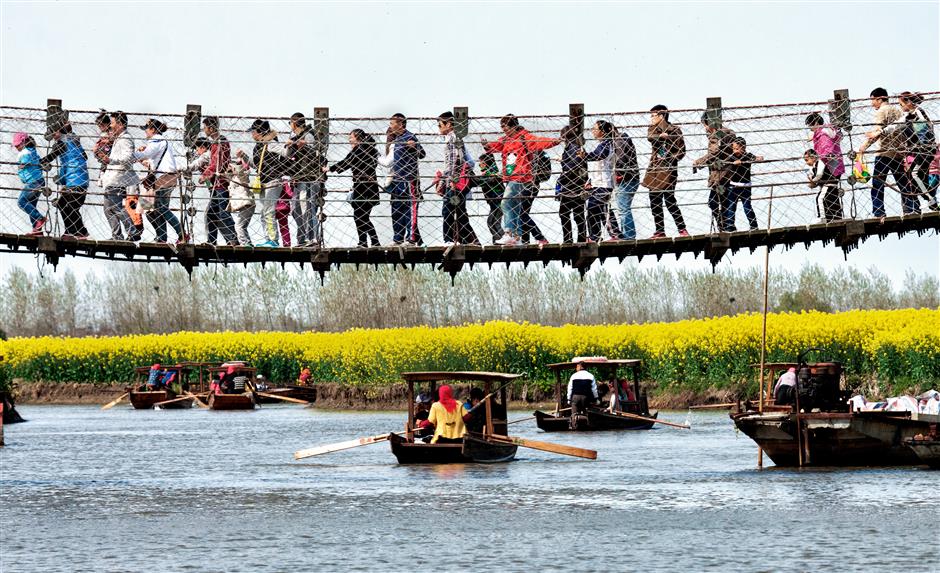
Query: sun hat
{"points": [[19, 138]]}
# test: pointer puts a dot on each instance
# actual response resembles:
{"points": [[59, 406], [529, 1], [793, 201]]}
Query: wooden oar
{"points": [[546, 446], [339, 446], [114, 402], [724, 406], [198, 399], [521, 420], [179, 399], [645, 419], [285, 398], [348, 444]]}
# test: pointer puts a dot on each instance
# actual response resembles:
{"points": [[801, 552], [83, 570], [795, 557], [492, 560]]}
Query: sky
{"points": [[372, 59]]}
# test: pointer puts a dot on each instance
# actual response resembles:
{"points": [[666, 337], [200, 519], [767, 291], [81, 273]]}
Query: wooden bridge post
{"points": [[461, 122], [320, 259], [321, 127], [576, 119], [48, 246], [54, 111], [191, 124], [713, 112], [840, 109], [321, 133]]}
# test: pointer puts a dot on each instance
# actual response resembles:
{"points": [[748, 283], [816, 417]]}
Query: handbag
{"points": [[150, 181], [256, 187], [860, 170]]}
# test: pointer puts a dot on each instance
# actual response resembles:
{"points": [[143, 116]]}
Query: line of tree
{"points": [[152, 298]]}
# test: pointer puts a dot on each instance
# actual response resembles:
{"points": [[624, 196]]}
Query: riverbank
{"points": [[341, 397]]}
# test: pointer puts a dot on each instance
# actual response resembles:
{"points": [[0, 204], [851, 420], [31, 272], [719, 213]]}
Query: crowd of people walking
{"points": [[285, 177]]}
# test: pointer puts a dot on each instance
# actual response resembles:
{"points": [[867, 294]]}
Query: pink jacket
{"points": [[826, 143]]}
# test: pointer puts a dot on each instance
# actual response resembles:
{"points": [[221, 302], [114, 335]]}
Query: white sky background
{"points": [[373, 59]]}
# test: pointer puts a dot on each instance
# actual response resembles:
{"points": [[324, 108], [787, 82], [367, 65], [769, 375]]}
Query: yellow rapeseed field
{"points": [[896, 346]]}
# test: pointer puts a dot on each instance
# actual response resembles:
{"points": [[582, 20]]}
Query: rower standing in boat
{"points": [[582, 391], [447, 417]]}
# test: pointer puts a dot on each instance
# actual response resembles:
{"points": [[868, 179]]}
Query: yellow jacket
{"points": [[446, 424]]}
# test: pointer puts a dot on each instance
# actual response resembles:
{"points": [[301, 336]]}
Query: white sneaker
{"points": [[449, 244], [507, 239]]}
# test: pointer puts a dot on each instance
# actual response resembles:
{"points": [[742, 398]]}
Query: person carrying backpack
{"points": [[662, 174], [519, 149], [888, 132], [922, 145], [601, 175]]}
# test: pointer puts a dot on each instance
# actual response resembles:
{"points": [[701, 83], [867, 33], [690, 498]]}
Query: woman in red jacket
{"points": [[518, 148]]}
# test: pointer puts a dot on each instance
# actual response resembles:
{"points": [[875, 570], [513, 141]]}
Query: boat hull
{"points": [[927, 451], [244, 401], [147, 400], [474, 449], [594, 421], [835, 439]]}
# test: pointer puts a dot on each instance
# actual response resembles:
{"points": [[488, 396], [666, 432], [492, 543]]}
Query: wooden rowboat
{"points": [[146, 400], [594, 419], [474, 449], [597, 418], [244, 401]]}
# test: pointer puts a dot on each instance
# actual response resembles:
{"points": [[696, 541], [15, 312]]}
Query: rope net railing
{"points": [[322, 182]]}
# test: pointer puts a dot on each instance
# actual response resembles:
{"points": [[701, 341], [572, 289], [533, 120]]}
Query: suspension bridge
{"points": [[788, 211]]}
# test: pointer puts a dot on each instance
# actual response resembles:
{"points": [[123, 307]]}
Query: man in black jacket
{"points": [[306, 157]]}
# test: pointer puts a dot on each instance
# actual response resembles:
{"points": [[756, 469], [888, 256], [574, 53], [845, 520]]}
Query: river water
{"points": [[193, 490]]}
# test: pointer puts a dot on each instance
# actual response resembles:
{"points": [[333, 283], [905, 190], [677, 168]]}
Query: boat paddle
{"points": [[645, 419], [198, 399], [346, 445], [285, 398], [177, 399], [114, 402], [545, 446]]}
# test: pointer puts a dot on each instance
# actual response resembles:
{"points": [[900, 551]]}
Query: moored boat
{"points": [[819, 428], [626, 413], [473, 447]]}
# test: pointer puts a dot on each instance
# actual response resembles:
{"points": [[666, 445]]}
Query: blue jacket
{"points": [[405, 160], [73, 168], [30, 172]]}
